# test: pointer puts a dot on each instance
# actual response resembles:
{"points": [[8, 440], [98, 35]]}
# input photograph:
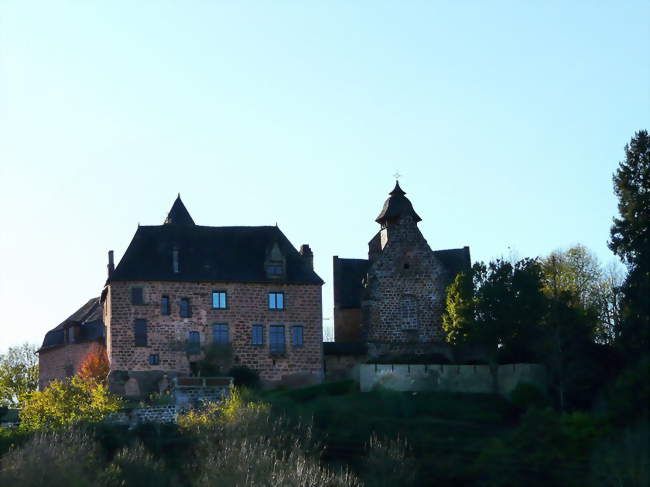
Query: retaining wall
{"points": [[450, 378]]}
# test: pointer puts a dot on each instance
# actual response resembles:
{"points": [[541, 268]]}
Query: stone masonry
{"points": [[247, 306]]}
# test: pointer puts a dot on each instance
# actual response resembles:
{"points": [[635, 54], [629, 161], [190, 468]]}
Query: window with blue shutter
{"points": [[220, 333], [140, 332], [277, 343], [296, 336], [194, 342], [219, 300], [276, 300], [185, 310], [258, 335]]}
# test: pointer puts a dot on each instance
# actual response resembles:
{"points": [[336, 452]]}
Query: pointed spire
{"points": [[179, 215], [397, 190], [396, 206]]}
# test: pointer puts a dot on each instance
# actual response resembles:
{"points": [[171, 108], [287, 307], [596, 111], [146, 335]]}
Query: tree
{"points": [[67, 402], [18, 374], [578, 276], [95, 366], [499, 306], [630, 241]]}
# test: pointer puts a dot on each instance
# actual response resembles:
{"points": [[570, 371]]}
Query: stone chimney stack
{"points": [[111, 264], [307, 255]]}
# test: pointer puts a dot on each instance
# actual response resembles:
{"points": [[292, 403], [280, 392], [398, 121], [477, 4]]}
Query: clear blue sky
{"points": [[506, 120]]}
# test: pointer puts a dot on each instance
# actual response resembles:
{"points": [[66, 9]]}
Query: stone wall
{"points": [[247, 305], [60, 362], [341, 367], [450, 378]]}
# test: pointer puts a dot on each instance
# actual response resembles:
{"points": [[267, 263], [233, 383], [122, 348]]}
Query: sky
{"points": [[505, 120]]}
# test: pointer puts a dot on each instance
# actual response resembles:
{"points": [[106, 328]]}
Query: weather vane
{"points": [[397, 175]]}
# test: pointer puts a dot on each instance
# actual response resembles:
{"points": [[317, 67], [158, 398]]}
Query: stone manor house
{"points": [[250, 288]]}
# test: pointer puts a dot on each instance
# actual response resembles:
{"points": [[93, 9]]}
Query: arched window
{"points": [[409, 312]]}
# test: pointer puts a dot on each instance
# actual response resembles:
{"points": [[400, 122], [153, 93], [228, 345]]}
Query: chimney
{"points": [[307, 255], [111, 264]]}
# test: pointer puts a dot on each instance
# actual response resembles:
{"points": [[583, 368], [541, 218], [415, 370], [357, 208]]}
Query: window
{"points": [[185, 310], [220, 333], [276, 300], [164, 305], [137, 295], [258, 335], [194, 342], [154, 359], [71, 334], [175, 264], [409, 312], [140, 331], [296, 336], [219, 300], [276, 339], [275, 269]]}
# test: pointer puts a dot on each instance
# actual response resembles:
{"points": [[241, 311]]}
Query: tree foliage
{"points": [[18, 374], [630, 240], [95, 366], [68, 402], [499, 306]]}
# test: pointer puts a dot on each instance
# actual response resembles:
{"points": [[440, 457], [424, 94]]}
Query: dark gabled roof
{"points": [[397, 205], [179, 215], [454, 260], [89, 318], [234, 254], [348, 277]]}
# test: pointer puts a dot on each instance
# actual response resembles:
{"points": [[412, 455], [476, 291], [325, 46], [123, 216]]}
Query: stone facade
{"points": [[61, 362], [405, 291], [247, 306]]}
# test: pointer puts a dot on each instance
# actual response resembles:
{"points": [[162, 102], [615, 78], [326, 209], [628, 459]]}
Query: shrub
{"points": [[95, 366], [67, 402], [388, 464], [64, 458], [527, 395], [136, 466], [623, 459], [245, 376]]}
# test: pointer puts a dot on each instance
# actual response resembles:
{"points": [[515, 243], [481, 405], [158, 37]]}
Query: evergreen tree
{"points": [[630, 240]]}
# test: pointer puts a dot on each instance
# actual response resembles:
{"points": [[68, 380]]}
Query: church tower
{"points": [[404, 291]]}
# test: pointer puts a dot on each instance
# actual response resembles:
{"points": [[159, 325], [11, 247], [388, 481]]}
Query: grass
{"points": [[443, 429]]}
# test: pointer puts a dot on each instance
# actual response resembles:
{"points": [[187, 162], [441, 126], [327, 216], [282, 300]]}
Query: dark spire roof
{"points": [[179, 215], [397, 205]]}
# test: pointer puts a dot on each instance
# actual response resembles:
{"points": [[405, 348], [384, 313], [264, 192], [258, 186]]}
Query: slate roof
{"points": [[397, 205], [348, 276], [179, 215], [454, 260], [349, 273], [224, 254], [89, 318]]}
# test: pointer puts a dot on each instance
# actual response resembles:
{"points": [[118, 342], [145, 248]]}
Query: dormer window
{"points": [[275, 263], [175, 264], [275, 269]]}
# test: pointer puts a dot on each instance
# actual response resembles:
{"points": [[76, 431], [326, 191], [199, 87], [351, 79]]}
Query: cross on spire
{"points": [[397, 175]]}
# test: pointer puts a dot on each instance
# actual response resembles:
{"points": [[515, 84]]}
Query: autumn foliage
{"points": [[95, 366]]}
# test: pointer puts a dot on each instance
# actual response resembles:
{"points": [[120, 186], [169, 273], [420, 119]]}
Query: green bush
{"points": [[527, 395], [245, 377]]}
